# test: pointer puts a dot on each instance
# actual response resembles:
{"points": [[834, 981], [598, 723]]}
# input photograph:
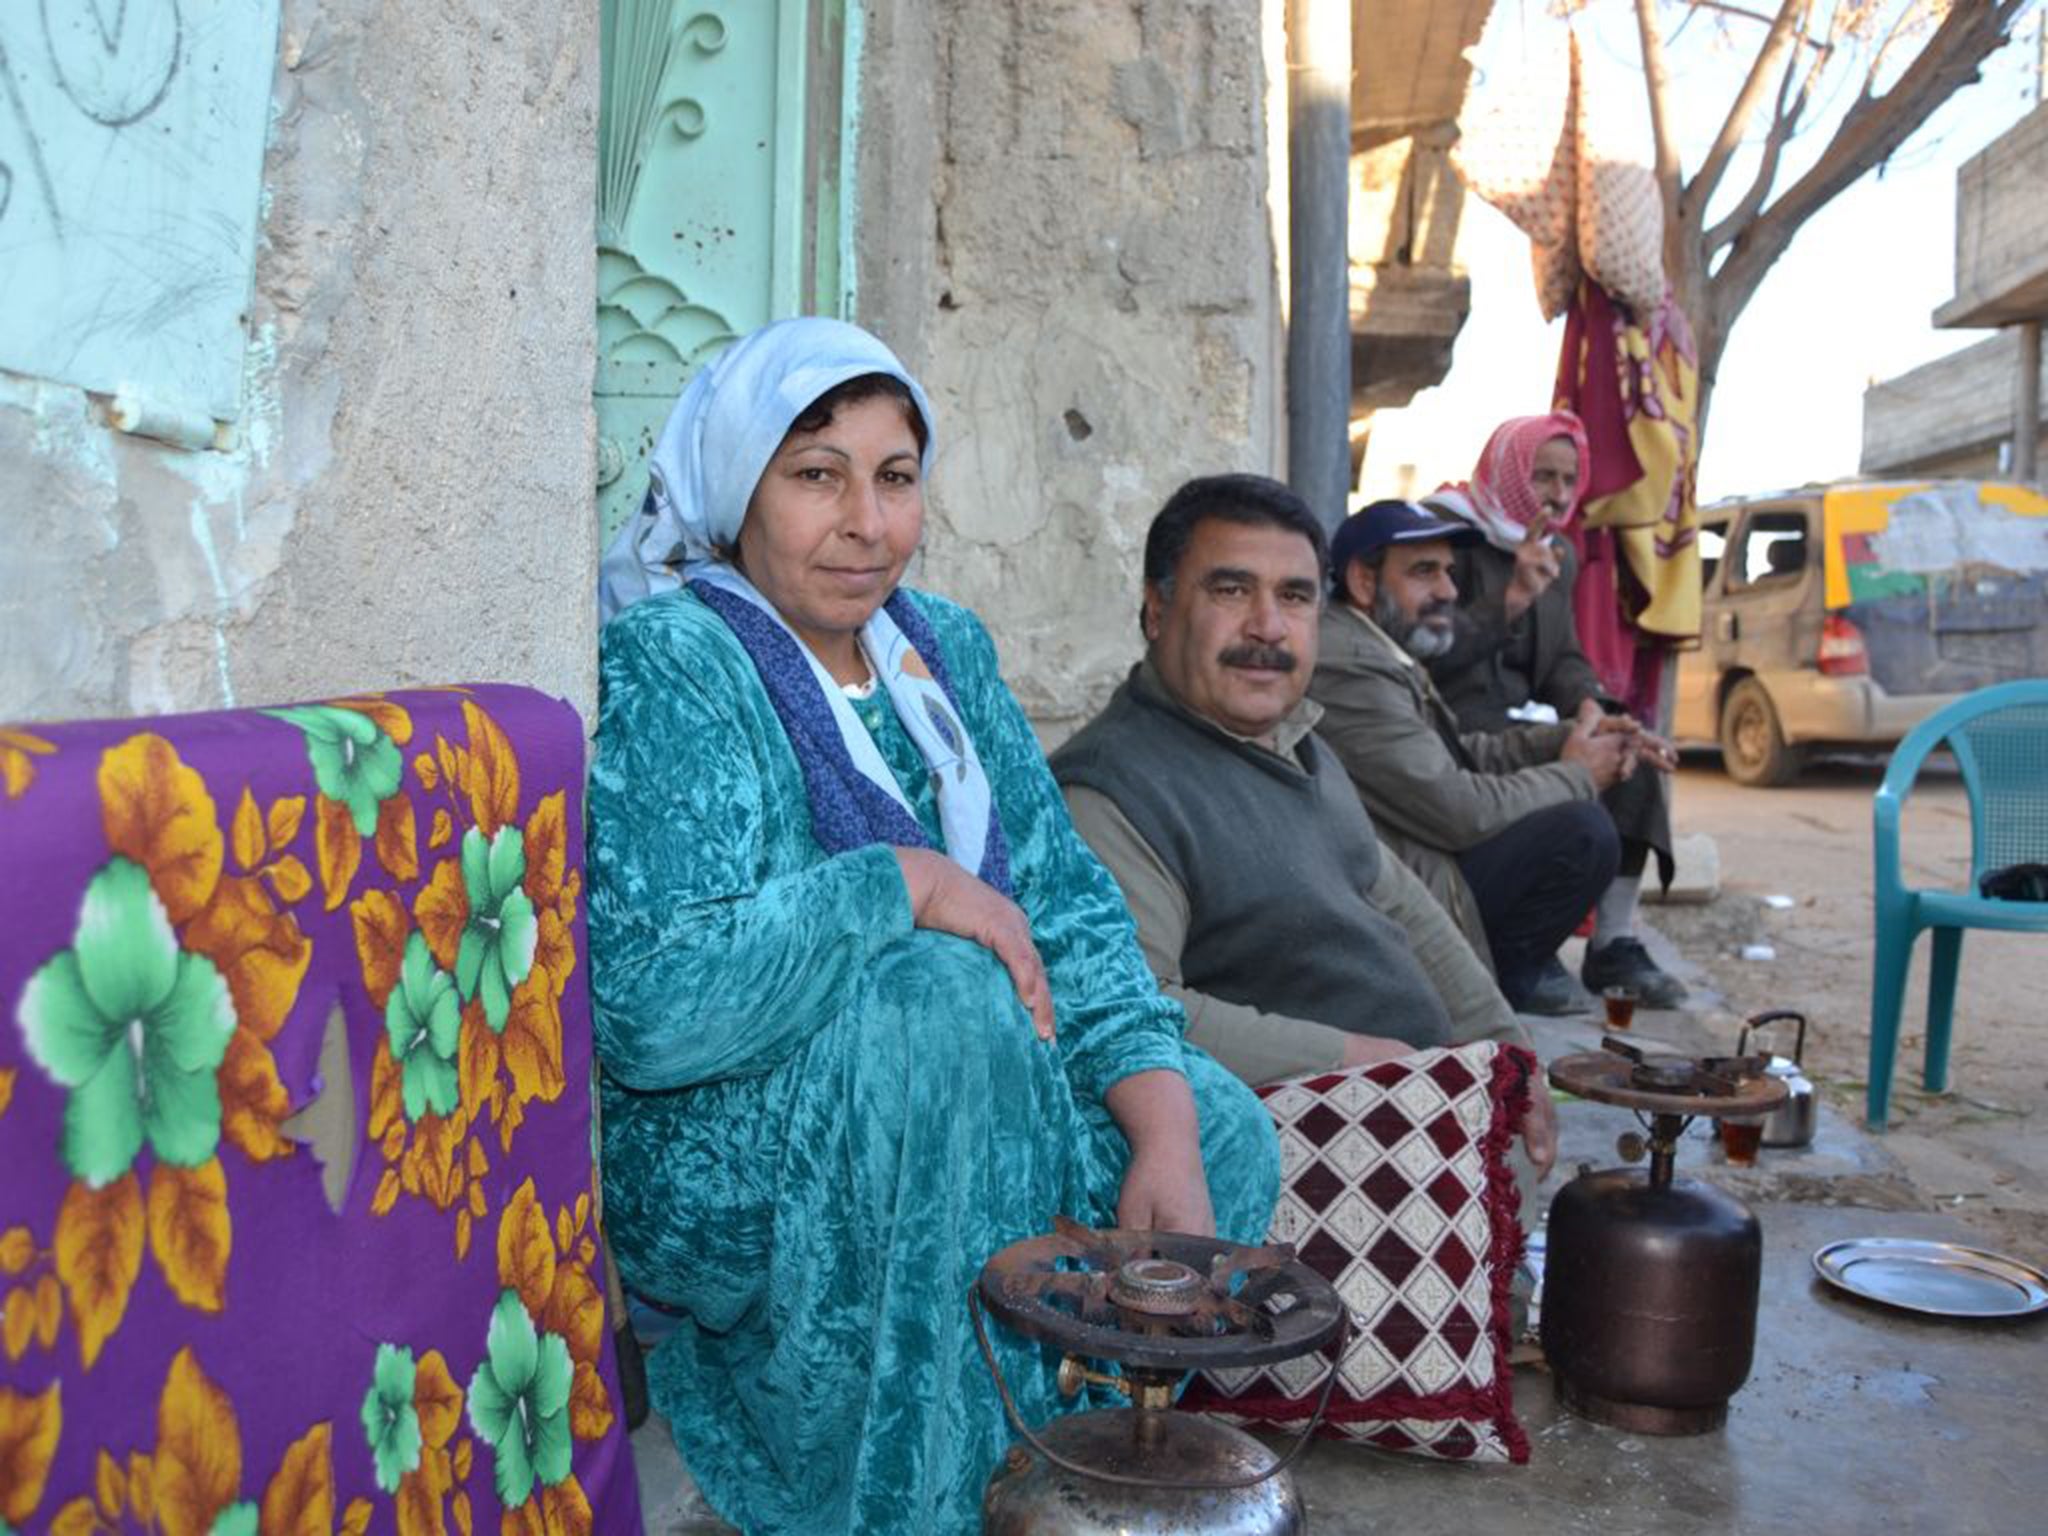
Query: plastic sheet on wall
{"points": [[131, 160]]}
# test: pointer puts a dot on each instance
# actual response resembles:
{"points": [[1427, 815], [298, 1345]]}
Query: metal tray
{"points": [[1939, 1279]]}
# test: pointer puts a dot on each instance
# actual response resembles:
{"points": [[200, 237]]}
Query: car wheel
{"points": [[1753, 748]]}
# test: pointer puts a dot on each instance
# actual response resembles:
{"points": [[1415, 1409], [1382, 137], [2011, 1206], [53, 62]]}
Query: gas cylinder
{"points": [[1650, 1282]]}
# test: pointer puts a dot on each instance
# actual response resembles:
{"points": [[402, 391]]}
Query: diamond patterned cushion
{"points": [[1395, 1187]]}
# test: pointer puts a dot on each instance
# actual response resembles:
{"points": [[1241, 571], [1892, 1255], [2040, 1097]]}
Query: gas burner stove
{"points": [[1669, 1084], [1157, 1305]]}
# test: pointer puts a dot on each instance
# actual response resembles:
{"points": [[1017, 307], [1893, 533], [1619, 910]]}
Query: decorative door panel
{"points": [[707, 214]]}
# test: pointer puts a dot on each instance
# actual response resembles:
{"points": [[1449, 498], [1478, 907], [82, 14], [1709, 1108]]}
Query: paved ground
{"points": [[1855, 1417], [1981, 1150]]}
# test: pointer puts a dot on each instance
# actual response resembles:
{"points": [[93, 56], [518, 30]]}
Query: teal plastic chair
{"points": [[1999, 738]]}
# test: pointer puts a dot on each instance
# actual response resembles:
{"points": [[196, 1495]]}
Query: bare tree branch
{"points": [[1763, 18], [1901, 22], [1700, 190], [1872, 129], [1784, 123], [1657, 83]]}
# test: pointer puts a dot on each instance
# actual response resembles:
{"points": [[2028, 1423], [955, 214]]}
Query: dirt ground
{"points": [[1980, 1150]]}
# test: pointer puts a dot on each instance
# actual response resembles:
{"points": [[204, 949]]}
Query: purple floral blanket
{"points": [[193, 1339]]}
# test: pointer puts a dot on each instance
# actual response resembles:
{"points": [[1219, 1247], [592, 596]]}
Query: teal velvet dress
{"points": [[819, 1121]]}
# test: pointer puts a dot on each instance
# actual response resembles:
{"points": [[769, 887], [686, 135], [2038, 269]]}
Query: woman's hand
{"points": [[1164, 1188], [1165, 1194], [1539, 1128], [947, 899]]}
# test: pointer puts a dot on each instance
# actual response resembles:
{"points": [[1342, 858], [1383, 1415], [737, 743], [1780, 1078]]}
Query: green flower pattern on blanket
{"points": [[423, 1021], [390, 1418], [224, 883], [496, 952], [519, 1402], [354, 762], [135, 1028]]}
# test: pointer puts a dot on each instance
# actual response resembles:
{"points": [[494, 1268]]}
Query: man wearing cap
{"points": [[1504, 827], [1262, 897]]}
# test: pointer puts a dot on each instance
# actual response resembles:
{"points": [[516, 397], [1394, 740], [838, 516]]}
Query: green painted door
{"points": [[724, 159]]}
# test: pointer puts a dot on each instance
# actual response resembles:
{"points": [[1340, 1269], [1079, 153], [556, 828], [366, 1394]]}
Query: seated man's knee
{"points": [[1588, 829]]}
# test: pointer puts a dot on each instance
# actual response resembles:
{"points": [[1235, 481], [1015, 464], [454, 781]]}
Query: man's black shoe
{"points": [[1625, 963], [1554, 995]]}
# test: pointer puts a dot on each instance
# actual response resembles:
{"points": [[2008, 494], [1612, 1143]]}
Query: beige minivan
{"points": [[1842, 615]]}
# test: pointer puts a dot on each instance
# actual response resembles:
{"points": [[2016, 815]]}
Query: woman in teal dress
{"points": [[868, 1009]]}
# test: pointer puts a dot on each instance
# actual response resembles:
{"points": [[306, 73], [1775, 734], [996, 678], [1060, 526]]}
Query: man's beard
{"points": [[1423, 641]]}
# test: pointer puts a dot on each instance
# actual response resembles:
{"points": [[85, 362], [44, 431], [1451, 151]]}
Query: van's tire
{"points": [[1753, 747]]}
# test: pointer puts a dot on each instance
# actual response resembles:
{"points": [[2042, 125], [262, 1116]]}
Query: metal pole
{"points": [[2026, 405], [1319, 259]]}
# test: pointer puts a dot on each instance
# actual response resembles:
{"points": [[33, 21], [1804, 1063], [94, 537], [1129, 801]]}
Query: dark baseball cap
{"points": [[1372, 528]]}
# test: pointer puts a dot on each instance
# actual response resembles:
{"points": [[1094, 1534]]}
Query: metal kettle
{"points": [[1791, 1124]]}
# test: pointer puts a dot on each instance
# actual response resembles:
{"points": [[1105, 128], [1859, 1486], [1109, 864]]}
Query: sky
{"points": [[1848, 304]]}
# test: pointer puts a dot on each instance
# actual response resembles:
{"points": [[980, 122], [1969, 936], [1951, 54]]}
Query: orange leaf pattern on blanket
{"points": [[158, 813], [18, 752], [442, 911], [190, 1232], [493, 778], [398, 845], [338, 846], [260, 952], [437, 1400], [99, 1254], [381, 925], [198, 1462], [526, 1250], [29, 1427], [300, 1498]]}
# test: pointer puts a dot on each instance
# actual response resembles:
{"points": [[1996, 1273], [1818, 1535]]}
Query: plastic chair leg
{"points": [[1887, 996], [1941, 1006]]}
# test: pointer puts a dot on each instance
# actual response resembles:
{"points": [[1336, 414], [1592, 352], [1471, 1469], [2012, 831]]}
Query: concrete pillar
{"points": [[1319, 272], [2026, 405]]}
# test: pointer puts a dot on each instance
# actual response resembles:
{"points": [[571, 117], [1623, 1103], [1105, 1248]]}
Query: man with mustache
{"points": [[1504, 827], [1262, 897]]}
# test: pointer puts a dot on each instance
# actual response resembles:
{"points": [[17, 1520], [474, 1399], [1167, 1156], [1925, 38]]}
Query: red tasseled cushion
{"points": [[1395, 1187]]}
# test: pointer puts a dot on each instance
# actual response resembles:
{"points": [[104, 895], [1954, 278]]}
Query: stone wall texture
{"points": [[409, 497], [1064, 226], [1066, 231]]}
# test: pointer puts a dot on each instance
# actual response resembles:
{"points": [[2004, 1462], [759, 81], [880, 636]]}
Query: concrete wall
{"points": [[1947, 417], [1066, 230], [413, 477], [2002, 229], [1065, 223]]}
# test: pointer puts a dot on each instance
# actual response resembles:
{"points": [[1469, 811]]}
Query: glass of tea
{"points": [[1621, 1006], [1740, 1140]]}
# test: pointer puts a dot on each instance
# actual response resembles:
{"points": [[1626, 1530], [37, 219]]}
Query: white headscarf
{"points": [[716, 446], [718, 441]]}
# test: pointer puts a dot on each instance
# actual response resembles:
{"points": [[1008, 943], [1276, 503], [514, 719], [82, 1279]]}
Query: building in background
{"points": [[380, 333], [1977, 412]]}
